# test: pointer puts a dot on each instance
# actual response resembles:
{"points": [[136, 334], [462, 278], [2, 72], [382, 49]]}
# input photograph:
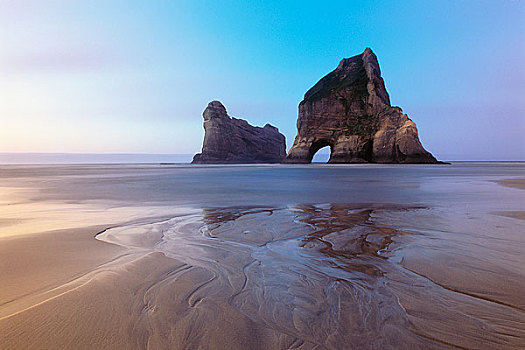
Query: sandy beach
{"points": [[64, 289], [168, 274]]}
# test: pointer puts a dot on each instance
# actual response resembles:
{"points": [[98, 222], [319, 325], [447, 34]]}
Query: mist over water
{"points": [[323, 256], [92, 158]]}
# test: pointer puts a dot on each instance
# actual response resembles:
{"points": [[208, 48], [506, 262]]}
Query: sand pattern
{"points": [[311, 276]]}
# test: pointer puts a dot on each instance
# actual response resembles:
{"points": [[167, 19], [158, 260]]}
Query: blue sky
{"points": [[135, 76]]}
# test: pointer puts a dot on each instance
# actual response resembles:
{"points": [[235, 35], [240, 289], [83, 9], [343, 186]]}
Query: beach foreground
{"points": [[262, 257]]}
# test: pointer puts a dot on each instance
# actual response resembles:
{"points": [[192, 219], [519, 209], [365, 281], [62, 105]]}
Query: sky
{"points": [[134, 76]]}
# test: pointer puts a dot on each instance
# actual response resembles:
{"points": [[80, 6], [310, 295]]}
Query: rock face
{"points": [[234, 141], [349, 110]]}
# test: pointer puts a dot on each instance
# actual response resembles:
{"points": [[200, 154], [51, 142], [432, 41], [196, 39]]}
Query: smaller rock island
{"points": [[229, 140]]}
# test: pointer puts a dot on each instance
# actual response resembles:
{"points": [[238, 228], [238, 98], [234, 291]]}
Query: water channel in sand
{"points": [[325, 275]]}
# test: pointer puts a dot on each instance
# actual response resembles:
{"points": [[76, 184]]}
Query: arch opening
{"points": [[322, 156], [320, 152]]}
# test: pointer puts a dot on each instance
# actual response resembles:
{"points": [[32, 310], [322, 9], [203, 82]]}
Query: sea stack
{"points": [[230, 140], [349, 110]]}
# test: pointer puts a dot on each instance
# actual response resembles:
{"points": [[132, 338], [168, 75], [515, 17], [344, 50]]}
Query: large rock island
{"points": [[234, 141], [349, 110]]}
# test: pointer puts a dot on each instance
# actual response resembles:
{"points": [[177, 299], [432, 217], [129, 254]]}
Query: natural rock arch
{"points": [[349, 109]]}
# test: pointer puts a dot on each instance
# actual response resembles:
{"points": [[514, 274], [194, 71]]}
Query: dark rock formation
{"points": [[349, 110], [232, 140]]}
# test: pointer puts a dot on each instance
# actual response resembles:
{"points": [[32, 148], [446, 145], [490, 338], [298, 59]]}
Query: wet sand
{"points": [[307, 276], [515, 183], [517, 214], [160, 300]]}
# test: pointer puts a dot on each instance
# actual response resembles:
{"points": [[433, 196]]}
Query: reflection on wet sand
{"points": [[309, 276], [442, 268]]}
